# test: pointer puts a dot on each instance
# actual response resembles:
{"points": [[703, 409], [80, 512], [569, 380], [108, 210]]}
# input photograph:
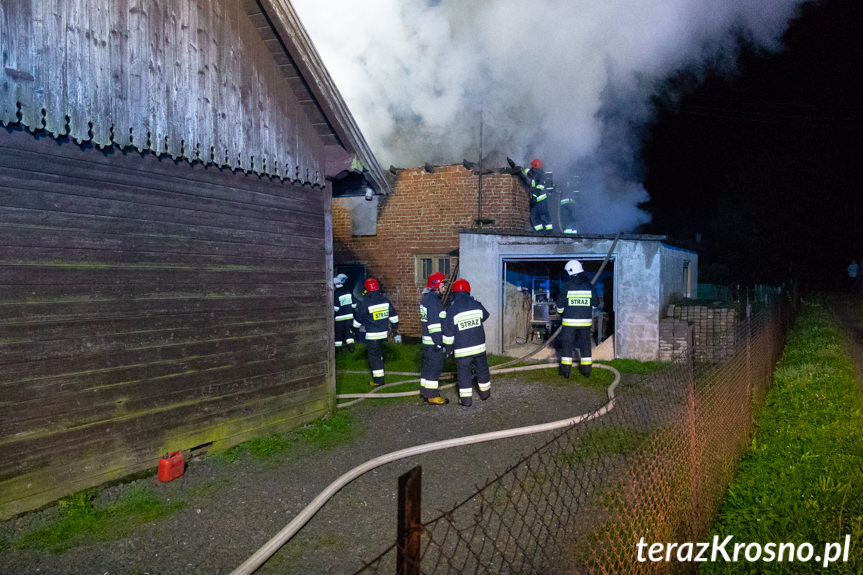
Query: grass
{"points": [[801, 480], [604, 441], [81, 522]]}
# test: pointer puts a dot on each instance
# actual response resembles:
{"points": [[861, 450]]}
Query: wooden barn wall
{"points": [[149, 305], [189, 78]]}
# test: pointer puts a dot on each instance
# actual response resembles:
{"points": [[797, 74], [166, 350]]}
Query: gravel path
{"points": [[236, 508]]}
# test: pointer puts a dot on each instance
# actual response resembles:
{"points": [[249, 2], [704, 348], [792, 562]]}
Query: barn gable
{"points": [[165, 278]]}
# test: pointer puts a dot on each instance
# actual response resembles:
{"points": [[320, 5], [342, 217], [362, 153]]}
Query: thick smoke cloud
{"points": [[564, 80]]}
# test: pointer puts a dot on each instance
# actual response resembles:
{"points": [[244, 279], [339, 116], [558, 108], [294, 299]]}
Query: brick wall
{"points": [[423, 216]]}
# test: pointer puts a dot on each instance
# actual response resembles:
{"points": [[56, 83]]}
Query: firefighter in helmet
{"points": [[344, 305], [432, 314], [575, 303], [464, 335], [540, 218], [377, 315]]}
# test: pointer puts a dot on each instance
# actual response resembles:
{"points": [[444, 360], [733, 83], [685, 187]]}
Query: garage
{"points": [[517, 276]]}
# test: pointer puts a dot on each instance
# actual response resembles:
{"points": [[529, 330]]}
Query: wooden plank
{"points": [[175, 90], [29, 453], [65, 202], [33, 489], [236, 415], [101, 117], [204, 95], [200, 381], [156, 73], [168, 230], [84, 180], [78, 76], [138, 98], [119, 62], [89, 245]]}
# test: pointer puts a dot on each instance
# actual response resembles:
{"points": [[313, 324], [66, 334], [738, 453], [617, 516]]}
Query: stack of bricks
{"points": [[675, 338], [713, 327], [423, 216]]}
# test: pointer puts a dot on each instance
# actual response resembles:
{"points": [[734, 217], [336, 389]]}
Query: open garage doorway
{"points": [[530, 288]]}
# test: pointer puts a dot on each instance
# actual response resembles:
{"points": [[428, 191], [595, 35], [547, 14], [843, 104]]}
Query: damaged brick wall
{"points": [[423, 217]]}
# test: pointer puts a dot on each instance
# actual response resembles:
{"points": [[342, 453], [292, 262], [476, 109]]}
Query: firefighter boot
{"points": [[564, 370], [351, 347], [483, 395], [584, 370]]}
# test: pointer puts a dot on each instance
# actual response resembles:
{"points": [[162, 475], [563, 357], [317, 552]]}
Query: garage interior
{"points": [[531, 286]]}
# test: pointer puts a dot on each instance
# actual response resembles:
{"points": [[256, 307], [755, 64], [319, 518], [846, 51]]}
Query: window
{"points": [[427, 265]]}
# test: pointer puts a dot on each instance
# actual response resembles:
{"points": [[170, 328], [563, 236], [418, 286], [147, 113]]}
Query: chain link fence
{"points": [[655, 467]]}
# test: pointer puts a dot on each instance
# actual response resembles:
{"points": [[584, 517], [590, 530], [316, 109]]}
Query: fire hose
{"points": [[270, 547], [260, 556]]}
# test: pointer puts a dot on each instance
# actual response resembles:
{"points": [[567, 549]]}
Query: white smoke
{"points": [[563, 80]]}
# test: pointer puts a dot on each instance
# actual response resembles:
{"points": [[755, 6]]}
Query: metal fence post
{"points": [[409, 530]]}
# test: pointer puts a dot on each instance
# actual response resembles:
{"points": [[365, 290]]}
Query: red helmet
{"points": [[435, 280], [536, 164], [461, 285], [371, 284]]}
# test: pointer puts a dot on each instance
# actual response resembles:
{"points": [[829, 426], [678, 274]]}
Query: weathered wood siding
{"points": [[189, 78], [149, 305]]}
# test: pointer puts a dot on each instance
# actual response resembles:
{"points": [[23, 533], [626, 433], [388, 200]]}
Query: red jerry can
{"points": [[171, 466]]}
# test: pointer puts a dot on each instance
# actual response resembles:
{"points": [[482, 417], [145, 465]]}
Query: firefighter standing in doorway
{"points": [[377, 314], [575, 303], [464, 335], [539, 214], [344, 305], [432, 315]]}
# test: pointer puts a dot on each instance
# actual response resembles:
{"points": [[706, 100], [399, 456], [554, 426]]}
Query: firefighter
{"points": [[539, 215], [344, 306], [432, 314], [377, 315], [464, 336], [575, 303], [567, 212]]}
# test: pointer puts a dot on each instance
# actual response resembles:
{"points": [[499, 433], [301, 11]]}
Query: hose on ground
{"points": [[270, 547]]}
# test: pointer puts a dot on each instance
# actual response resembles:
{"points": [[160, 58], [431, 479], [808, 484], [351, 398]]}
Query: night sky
{"points": [[766, 166]]}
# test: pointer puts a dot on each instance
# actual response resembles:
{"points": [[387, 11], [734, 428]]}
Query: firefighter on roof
{"points": [[539, 214], [575, 303], [432, 314], [464, 335], [377, 314], [344, 305]]}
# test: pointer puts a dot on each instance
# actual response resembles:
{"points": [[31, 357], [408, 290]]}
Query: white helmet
{"points": [[340, 280], [573, 267]]}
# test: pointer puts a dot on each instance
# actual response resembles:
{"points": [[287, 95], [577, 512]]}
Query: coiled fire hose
{"points": [[270, 547]]}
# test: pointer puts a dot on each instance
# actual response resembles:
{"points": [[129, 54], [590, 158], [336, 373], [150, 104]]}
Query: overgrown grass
{"points": [[801, 480], [82, 522]]}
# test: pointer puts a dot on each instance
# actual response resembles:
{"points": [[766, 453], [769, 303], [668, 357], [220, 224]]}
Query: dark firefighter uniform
{"points": [[464, 335], [432, 315], [575, 304], [377, 315], [567, 212], [539, 214], [344, 305]]}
